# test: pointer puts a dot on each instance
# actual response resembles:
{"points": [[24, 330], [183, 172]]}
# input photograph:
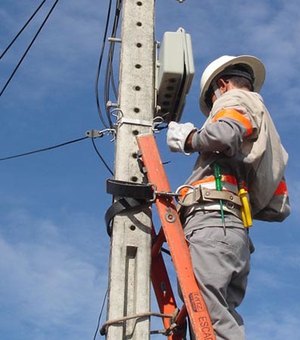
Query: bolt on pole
{"points": [[130, 257]]}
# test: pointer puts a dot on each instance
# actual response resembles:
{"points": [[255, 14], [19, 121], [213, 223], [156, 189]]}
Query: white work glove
{"points": [[177, 135]]}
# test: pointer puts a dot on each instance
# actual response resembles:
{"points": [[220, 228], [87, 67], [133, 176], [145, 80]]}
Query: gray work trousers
{"points": [[221, 265]]}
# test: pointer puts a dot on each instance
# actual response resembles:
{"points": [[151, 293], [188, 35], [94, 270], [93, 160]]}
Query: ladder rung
{"points": [[158, 242]]}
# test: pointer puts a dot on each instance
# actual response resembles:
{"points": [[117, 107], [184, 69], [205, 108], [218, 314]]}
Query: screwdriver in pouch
{"points": [[218, 180]]}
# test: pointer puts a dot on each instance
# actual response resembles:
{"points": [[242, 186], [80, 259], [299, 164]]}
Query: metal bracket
{"points": [[94, 133], [115, 40], [131, 121], [110, 104], [99, 133]]}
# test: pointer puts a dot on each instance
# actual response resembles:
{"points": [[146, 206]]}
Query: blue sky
{"points": [[53, 243]]}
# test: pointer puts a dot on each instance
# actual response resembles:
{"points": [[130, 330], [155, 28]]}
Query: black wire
{"points": [[100, 316], [44, 149], [102, 159], [113, 84], [59, 146], [109, 66], [109, 79], [28, 48], [22, 29], [114, 33], [100, 64]]}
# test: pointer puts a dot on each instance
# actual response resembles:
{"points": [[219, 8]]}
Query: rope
{"points": [[109, 323]]}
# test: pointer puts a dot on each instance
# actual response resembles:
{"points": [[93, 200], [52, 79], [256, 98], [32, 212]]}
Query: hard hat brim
{"points": [[254, 63]]}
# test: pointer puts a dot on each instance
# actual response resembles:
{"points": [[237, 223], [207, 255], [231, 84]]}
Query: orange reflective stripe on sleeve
{"points": [[281, 189], [237, 116]]}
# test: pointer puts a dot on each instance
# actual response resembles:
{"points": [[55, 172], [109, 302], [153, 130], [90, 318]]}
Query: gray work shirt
{"points": [[249, 141]]}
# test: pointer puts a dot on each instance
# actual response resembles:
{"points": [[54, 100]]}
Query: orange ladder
{"points": [[172, 232]]}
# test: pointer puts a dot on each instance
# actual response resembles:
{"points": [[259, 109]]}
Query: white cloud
{"points": [[47, 284], [275, 324], [271, 306], [294, 190], [281, 255]]}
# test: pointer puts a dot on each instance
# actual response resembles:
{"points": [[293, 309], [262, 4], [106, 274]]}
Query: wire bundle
{"points": [[31, 43], [109, 82]]}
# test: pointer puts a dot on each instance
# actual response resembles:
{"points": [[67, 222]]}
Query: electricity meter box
{"points": [[175, 72]]}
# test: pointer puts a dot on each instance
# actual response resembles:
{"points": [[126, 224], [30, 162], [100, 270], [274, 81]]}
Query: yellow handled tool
{"points": [[245, 210]]}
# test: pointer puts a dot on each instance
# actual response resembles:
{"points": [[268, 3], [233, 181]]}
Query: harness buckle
{"points": [[187, 187]]}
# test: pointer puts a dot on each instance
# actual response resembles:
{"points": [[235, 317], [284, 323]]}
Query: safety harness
{"points": [[208, 194], [223, 192]]}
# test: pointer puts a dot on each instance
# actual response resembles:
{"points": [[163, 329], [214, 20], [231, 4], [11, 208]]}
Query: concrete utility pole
{"points": [[129, 276]]}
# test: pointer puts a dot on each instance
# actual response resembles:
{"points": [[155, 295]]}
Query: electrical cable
{"points": [[59, 146], [28, 48], [113, 84], [114, 34], [100, 315], [109, 79], [44, 149], [100, 65], [22, 29], [102, 159]]}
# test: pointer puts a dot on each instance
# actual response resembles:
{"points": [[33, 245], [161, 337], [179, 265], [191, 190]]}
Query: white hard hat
{"points": [[220, 64]]}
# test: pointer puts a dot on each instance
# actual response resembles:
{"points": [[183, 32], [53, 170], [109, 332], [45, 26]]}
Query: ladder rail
{"points": [[194, 302], [164, 293]]}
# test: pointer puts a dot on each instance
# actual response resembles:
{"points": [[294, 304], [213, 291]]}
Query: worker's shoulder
{"points": [[250, 102], [241, 96]]}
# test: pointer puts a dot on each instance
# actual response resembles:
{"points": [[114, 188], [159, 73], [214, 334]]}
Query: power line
{"points": [[44, 149], [59, 146], [109, 79], [28, 48], [22, 29], [100, 64], [100, 316], [102, 159]]}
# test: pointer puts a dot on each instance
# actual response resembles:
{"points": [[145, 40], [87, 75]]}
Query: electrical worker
{"points": [[240, 167]]}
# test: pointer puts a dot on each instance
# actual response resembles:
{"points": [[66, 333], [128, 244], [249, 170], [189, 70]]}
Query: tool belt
{"points": [[202, 195]]}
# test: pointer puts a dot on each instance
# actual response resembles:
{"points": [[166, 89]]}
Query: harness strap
{"points": [[204, 194], [229, 179]]}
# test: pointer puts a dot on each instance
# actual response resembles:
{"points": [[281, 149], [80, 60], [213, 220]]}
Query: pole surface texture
{"points": [[130, 258]]}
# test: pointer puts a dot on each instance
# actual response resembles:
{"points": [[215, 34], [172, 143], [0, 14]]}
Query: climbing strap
{"points": [[130, 196], [129, 189]]}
